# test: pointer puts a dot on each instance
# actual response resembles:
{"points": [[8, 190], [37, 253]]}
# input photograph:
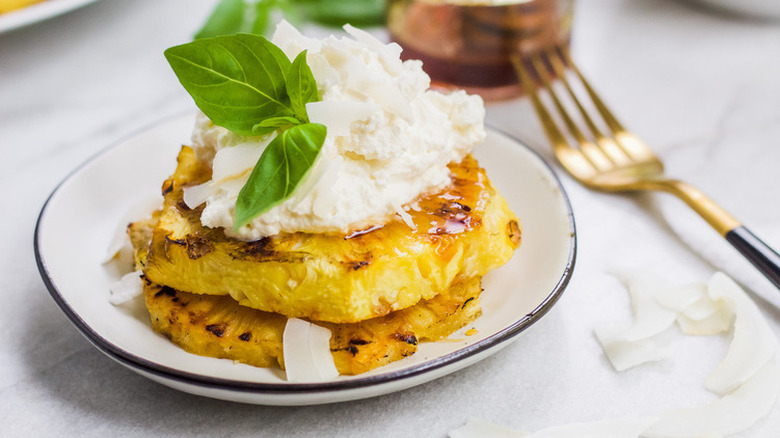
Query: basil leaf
{"points": [[301, 86], [278, 122], [227, 18], [235, 80], [280, 169]]}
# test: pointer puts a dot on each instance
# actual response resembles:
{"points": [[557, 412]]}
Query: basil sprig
{"points": [[246, 84]]}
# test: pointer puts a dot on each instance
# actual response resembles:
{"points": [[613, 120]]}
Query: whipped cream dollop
{"points": [[389, 140]]}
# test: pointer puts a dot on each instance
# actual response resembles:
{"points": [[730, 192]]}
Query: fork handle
{"points": [[757, 252], [764, 258]]}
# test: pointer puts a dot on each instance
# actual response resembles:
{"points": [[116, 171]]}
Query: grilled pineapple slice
{"points": [[461, 233], [217, 326]]}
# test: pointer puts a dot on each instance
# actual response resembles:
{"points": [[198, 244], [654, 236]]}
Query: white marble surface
{"points": [[702, 88]]}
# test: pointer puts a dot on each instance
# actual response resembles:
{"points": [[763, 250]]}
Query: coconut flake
{"points": [[753, 342], [291, 41], [617, 428], [626, 348], [704, 308], [307, 356], [235, 161], [623, 354], [733, 413], [338, 115], [364, 37], [406, 217], [719, 321], [479, 428], [680, 298], [650, 318], [140, 210], [128, 287], [193, 196]]}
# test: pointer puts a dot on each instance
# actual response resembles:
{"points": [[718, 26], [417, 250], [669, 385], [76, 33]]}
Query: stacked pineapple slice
{"points": [[380, 290]]}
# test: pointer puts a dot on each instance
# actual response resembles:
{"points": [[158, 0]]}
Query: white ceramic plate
{"points": [[79, 219], [38, 12]]}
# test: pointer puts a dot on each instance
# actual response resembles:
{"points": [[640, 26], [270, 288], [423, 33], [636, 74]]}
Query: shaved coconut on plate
{"points": [[719, 321], [193, 196], [626, 348], [650, 318], [753, 342], [616, 428], [748, 378], [624, 354], [704, 308], [680, 298], [306, 349], [733, 413], [140, 210], [128, 287], [479, 428]]}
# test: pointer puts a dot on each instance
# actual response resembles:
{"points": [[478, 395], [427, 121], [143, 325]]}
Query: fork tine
{"points": [[592, 153], [631, 144], [568, 156], [550, 128], [608, 146]]}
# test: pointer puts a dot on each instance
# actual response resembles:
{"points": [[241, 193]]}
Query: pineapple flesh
{"points": [[217, 326], [460, 234]]}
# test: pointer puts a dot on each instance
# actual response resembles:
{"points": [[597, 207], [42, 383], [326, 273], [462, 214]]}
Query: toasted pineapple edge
{"points": [[462, 233]]}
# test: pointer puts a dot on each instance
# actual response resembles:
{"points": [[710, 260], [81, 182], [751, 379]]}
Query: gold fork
{"points": [[619, 161]]}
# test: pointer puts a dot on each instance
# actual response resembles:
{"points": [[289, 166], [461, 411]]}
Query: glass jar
{"points": [[468, 43]]}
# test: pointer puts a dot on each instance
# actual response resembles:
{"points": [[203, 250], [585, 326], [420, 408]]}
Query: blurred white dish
{"points": [[38, 12]]}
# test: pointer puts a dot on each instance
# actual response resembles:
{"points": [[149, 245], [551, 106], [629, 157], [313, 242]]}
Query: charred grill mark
{"points": [[167, 187], [217, 329], [407, 337], [514, 232], [165, 290], [359, 264], [463, 207], [169, 242], [353, 350], [197, 246], [246, 336], [466, 302], [355, 341], [258, 250]]}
